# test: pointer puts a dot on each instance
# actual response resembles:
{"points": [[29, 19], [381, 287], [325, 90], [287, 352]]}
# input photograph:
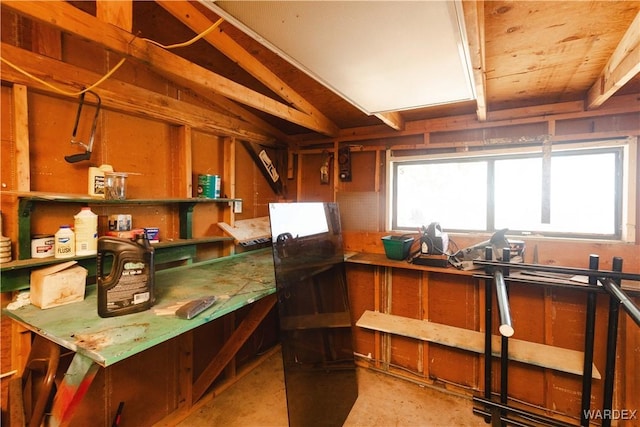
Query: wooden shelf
{"points": [[546, 356], [38, 196], [381, 260], [16, 274], [26, 201]]}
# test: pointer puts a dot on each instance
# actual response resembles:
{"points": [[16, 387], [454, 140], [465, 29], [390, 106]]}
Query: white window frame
{"points": [[630, 173]]}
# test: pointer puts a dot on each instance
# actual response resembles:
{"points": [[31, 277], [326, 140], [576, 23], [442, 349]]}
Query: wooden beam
{"points": [[183, 179], [21, 132], [546, 356], [64, 16], [393, 120], [198, 22], [241, 113], [621, 104], [72, 389], [258, 312], [121, 96], [229, 185], [474, 22], [46, 41], [623, 65], [118, 13], [192, 18]]}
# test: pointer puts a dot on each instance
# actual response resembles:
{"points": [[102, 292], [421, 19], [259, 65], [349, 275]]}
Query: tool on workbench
{"points": [[463, 259], [195, 307]]}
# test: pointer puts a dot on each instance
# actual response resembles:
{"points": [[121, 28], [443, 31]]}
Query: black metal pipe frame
{"points": [[610, 281], [537, 419], [612, 342], [505, 321], [488, 302], [614, 290], [587, 370], [615, 275]]}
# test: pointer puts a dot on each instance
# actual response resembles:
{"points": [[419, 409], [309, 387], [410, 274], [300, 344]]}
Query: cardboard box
{"points": [[58, 285]]}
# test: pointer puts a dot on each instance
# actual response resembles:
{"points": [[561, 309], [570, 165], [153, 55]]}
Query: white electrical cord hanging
{"points": [[114, 69]]}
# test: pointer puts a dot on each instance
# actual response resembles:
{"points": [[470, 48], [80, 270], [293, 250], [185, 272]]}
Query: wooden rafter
{"points": [[393, 120], [64, 16], [474, 22], [121, 14], [118, 13], [623, 65], [121, 96], [245, 115], [198, 22]]}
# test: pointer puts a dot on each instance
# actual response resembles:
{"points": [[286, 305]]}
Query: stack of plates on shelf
{"points": [[5, 249]]}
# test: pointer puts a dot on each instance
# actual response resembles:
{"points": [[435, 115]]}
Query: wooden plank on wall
{"points": [[121, 96], [542, 355], [21, 126], [183, 178], [46, 40], [246, 230]]}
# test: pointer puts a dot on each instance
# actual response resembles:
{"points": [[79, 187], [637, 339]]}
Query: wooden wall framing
{"points": [[418, 325], [196, 136]]}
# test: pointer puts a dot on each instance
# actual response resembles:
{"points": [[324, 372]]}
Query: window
{"points": [[570, 191]]}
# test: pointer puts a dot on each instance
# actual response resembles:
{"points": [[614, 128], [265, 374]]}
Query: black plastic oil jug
{"points": [[129, 285]]}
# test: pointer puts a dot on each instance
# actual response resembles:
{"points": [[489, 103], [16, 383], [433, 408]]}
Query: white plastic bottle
{"points": [[86, 231], [65, 242], [96, 180]]}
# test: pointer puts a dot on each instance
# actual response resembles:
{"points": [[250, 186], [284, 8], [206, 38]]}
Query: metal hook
{"points": [[74, 158]]}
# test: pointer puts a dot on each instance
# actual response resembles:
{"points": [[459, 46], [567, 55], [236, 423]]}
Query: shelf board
{"points": [[248, 230], [37, 196], [40, 262], [28, 199], [543, 355], [16, 274], [195, 240]]}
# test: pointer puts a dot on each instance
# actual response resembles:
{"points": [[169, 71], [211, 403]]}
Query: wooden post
{"points": [[21, 125], [182, 172]]}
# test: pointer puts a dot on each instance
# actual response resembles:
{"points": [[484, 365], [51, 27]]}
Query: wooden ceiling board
{"points": [[550, 51]]}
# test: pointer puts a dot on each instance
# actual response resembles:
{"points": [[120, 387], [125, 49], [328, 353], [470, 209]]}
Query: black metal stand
{"points": [[497, 272]]}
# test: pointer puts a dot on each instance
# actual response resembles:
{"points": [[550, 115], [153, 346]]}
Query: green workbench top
{"points": [[236, 280]]}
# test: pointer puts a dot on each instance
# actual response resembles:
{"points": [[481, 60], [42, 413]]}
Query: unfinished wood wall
{"points": [[553, 317], [164, 141], [169, 138]]}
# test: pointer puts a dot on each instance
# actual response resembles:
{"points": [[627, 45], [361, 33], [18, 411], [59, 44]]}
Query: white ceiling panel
{"points": [[381, 56]]}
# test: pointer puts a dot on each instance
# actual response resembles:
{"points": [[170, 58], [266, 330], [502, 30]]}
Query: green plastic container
{"points": [[397, 247]]}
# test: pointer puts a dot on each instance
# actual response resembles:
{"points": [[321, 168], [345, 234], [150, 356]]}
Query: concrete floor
{"points": [[259, 400]]}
